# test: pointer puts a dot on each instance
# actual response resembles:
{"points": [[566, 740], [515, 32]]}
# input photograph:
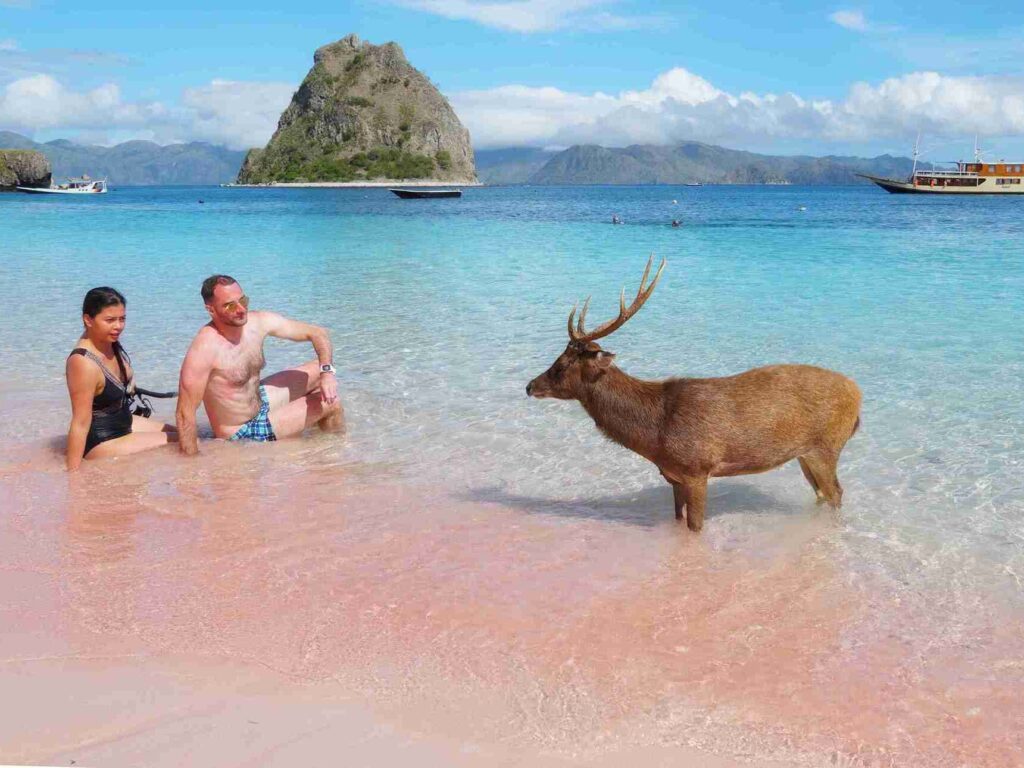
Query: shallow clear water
{"points": [[509, 526]]}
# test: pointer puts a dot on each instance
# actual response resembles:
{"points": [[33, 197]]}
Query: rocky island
{"points": [[23, 168], [363, 113]]}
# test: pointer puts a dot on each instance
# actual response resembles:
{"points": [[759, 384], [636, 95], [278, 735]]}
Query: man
{"points": [[222, 369]]}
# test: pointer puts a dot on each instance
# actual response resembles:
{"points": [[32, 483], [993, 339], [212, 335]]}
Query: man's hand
{"points": [[329, 388], [293, 330]]}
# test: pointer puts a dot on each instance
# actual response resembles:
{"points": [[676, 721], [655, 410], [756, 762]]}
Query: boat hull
{"points": [[49, 191], [986, 187], [410, 194]]}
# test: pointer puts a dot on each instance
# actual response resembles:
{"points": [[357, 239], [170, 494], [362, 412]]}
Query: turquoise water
{"points": [[442, 311]]}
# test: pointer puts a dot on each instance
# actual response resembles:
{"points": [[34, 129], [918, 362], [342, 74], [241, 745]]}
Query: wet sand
{"points": [[249, 608], [139, 710]]}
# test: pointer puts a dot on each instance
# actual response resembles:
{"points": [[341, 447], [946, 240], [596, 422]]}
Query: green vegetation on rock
{"points": [[363, 113], [385, 163]]}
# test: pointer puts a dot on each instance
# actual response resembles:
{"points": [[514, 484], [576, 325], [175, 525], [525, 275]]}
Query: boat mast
{"points": [[977, 154], [917, 144]]}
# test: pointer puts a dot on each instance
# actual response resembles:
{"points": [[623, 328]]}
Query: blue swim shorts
{"points": [[258, 428]]}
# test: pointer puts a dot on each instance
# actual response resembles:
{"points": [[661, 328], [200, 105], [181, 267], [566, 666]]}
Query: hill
{"points": [[135, 162], [513, 165], [363, 112], [683, 163]]}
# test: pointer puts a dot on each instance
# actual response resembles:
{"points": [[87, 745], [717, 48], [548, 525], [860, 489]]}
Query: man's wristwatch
{"points": [[328, 368]]}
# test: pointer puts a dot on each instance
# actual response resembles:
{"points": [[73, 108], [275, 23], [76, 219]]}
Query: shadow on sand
{"points": [[648, 508]]}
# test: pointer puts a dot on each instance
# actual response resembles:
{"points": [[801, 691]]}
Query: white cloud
{"points": [[532, 15], [514, 115], [41, 102], [8, 44], [680, 105], [236, 114], [850, 20]]}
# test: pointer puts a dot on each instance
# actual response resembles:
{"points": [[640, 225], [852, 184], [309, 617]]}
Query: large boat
{"points": [[80, 186], [974, 178]]}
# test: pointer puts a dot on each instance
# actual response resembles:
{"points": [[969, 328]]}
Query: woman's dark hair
{"points": [[99, 299]]}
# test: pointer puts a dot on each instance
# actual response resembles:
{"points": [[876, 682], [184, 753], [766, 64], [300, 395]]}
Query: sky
{"points": [[794, 77]]}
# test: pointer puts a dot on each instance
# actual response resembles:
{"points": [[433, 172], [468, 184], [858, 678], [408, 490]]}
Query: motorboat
{"points": [[408, 194], [74, 186]]}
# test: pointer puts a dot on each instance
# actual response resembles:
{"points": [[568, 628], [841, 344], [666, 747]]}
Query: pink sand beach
{"points": [[247, 608]]}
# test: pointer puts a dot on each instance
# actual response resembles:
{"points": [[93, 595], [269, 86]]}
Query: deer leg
{"points": [[823, 466], [679, 497], [811, 479], [695, 491]]}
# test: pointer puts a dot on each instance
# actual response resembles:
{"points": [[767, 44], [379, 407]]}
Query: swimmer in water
{"points": [[222, 367], [101, 383]]}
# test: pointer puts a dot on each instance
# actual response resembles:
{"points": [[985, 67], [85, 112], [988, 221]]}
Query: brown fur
{"points": [[694, 429]]}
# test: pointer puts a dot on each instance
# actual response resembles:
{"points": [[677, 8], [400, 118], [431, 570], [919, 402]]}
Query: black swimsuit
{"points": [[111, 410]]}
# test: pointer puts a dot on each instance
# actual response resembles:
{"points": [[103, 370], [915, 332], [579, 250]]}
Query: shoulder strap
{"points": [[106, 373], [118, 351]]}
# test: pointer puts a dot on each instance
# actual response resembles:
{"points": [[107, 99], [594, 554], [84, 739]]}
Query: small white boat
{"points": [[82, 186]]}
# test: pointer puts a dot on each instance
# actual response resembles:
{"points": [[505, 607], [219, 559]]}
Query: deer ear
{"points": [[604, 359]]}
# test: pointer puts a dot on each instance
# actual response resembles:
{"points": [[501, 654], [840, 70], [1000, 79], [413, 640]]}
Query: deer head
{"points": [[584, 362]]}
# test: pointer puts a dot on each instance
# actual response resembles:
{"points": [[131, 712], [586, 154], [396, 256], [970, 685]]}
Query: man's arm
{"points": [[284, 328], [195, 373]]}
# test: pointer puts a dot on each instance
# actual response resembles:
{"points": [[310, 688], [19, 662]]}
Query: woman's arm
{"points": [[81, 387]]}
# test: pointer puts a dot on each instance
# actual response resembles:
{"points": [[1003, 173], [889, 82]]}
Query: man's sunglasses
{"points": [[242, 301]]}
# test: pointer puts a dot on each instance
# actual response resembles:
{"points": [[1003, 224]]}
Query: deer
{"points": [[694, 429]]}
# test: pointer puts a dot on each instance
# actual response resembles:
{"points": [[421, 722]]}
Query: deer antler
{"points": [[581, 336]]}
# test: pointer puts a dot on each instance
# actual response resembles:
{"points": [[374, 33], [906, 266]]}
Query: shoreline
{"points": [[361, 184], [271, 719]]}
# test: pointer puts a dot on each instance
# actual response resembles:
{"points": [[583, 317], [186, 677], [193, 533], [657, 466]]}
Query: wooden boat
{"points": [[968, 178], [977, 178], [407, 194]]}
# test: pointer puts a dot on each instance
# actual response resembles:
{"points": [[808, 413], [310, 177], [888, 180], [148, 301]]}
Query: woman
{"points": [[101, 385]]}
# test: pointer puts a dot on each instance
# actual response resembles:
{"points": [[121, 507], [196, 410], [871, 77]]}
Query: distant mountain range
{"points": [[143, 162], [683, 163], [513, 165], [136, 162]]}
